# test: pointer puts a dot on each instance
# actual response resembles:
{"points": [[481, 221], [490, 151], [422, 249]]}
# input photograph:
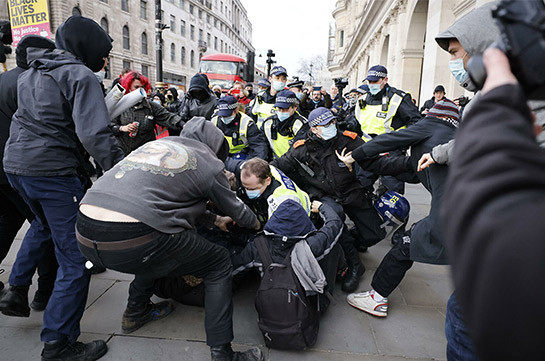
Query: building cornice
{"points": [[462, 7]]}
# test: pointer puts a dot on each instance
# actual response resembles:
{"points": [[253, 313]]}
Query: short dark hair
{"points": [[258, 167]]}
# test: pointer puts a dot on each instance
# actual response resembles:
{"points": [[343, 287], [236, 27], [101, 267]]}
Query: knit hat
{"points": [[445, 110]]}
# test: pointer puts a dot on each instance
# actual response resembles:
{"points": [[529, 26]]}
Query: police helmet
{"points": [[393, 208]]}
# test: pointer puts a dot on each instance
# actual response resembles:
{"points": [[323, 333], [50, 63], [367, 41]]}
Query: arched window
{"points": [[76, 11], [183, 55], [144, 43], [192, 59], [172, 52], [126, 38], [104, 24]]}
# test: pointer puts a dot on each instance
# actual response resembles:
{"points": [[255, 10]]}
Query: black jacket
{"points": [[428, 104], [192, 107], [493, 221], [8, 90], [407, 113], [60, 103], [314, 166], [284, 230], [427, 242]]}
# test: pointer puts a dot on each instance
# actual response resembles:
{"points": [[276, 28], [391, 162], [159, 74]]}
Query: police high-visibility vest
{"points": [[242, 134], [281, 144], [374, 119], [287, 190], [262, 110]]}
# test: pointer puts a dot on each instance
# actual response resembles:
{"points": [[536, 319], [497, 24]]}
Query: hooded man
{"points": [[157, 236], [199, 101], [174, 103], [13, 209], [60, 104]]}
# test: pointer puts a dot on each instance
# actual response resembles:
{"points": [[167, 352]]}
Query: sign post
{"points": [[28, 17]]}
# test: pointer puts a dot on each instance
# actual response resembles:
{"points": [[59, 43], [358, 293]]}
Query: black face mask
{"points": [[199, 95], [170, 97], [250, 93], [218, 94]]}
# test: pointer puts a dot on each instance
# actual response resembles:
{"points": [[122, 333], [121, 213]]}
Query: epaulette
{"points": [[299, 143], [398, 91], [350, 134]]}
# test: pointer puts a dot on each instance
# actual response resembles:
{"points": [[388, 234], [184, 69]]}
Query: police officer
{"points": [[384, 109], [313, 164], [297, 88], [263, 188], [347, 115], [262, 106], [286, 126], [244, 138]]}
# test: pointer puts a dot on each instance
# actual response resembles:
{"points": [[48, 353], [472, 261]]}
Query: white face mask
{"points": [[100, 75], [157, 101], [329, 132]]}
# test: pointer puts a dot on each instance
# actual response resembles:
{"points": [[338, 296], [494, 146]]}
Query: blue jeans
{"points": [[54, 201], [459, 345]]}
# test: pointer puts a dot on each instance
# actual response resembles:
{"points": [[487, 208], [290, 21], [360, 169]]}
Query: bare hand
{"points": [[425, 161], [498, 70], [222, 222], [315, 206], [346, 158], [129, 128]]}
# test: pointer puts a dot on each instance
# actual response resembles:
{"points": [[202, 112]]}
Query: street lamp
{"points": [[270, 55]]}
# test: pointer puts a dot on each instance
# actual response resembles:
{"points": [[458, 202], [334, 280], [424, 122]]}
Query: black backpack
{"points": [[286, 318]]}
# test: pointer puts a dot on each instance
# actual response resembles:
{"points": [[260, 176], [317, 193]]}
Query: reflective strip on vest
{"points": [[375, 121], [262, 110], [281, 144], [243, 133], [287, 190]]}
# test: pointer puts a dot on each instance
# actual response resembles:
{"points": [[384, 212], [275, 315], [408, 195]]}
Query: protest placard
{"points": [[28, 17]]}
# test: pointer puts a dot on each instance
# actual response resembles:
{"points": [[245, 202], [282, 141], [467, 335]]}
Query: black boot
{"points": [[226, 353], [61, 350], [41, 298], [136, 317], [15, 302], [355, 270]]}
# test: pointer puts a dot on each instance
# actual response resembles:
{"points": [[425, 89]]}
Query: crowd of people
{"points": [[189, 185]]}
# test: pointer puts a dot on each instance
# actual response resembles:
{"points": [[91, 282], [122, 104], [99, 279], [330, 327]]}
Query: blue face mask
{"points": [[329, 132], [227, 120], [253, 194], [282, 115], [316, 101], [299, 95], [278, 85], [374, 89], [456, 67]]}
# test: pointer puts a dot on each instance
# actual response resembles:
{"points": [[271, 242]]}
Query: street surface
{"points": [[413, 330]]}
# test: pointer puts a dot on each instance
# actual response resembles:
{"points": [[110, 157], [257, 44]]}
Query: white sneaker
{"points": [[365, 302]]}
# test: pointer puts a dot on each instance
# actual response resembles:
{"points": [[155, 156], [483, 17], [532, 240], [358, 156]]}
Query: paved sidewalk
{"points": [[413, 330]]}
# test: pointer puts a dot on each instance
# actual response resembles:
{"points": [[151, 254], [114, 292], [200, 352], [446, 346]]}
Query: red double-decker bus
{"points": [[224, 69]]}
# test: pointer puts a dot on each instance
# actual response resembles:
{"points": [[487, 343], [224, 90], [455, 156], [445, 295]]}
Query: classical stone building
{"points": [[398, 34], [196, 27]]}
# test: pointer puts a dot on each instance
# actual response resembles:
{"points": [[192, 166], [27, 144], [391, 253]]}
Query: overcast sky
{"points": [[300, 29]]}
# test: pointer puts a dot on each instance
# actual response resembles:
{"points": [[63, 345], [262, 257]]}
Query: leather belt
{"points": [[114, 245]]}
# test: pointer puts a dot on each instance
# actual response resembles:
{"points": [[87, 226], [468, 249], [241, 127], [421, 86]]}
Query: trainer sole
{"points": [[374, 313]]}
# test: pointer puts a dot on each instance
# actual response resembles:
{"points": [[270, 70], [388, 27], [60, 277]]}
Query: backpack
{"points": [[286, 318]]}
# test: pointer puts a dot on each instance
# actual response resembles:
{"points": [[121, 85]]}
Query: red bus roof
{"points": [[224, 57]]}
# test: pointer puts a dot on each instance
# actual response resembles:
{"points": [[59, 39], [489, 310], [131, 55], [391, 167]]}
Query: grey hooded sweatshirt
{"points": [[167, 183]]}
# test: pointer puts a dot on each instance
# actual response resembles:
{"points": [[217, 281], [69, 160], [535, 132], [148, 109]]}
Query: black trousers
{"points": [[184, 253], [393, 267], [13, 213]]}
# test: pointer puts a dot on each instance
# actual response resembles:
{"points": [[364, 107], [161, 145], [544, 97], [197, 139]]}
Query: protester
{"points": [[438, 95], [13, 209], [173, 102], [43, 169], [136, 126], [199, 101], [157, 237], [317, 97]]}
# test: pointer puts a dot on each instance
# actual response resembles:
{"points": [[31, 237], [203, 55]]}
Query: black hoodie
{"points": [[8, 89], [60, 103], [193, 107]]}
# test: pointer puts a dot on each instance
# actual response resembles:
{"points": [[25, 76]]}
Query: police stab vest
{"points": [[262, 110], [287, 190], [279, 143], [377, 119], [239, 139]]}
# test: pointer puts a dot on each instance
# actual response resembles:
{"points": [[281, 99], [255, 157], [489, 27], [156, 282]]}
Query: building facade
{"points": [[195, 28], [399, 34]]}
